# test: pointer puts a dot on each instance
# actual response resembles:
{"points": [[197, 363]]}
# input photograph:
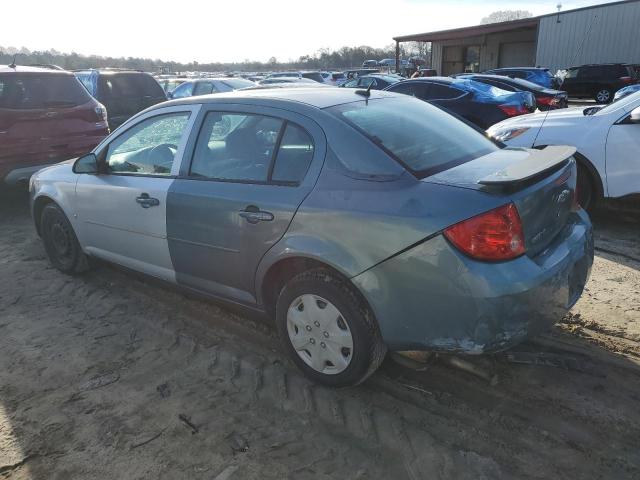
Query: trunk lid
{"points": [[541, 183]]}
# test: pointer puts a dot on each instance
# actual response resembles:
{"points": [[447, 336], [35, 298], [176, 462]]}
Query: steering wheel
{"points": [[161, 157]]}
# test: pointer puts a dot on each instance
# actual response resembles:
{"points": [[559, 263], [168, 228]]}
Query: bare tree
{"points": [[505, 16]]}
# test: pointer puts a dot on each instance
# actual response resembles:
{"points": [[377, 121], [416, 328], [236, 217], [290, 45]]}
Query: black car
{"points": [[546, 98], [599, 82], [376, 82], [478, 103], [123, 92]]}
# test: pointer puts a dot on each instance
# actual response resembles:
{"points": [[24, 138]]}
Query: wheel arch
{"points": [[280, 272], [596, 179], [38, 206]]}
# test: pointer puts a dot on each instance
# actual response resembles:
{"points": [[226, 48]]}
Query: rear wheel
{"points": [[60, 241], [603, 96], [327, 330]]}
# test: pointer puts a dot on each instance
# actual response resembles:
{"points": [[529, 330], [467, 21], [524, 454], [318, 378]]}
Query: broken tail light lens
{"points": [[492, 236]]}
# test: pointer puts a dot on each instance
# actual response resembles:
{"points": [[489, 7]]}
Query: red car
{"points": [[46, 116]]}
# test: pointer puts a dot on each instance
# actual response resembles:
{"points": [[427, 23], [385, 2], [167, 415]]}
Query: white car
{"points": [[607, 139]]}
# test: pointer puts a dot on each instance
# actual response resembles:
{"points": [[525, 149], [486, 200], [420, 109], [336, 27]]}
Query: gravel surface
{"points": [[109, 375]]}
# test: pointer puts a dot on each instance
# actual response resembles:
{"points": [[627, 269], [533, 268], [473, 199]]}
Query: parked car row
{"points": [[607, 141]]}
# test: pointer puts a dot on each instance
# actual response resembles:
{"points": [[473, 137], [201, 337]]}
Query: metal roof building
{"points": [[604, 33]]}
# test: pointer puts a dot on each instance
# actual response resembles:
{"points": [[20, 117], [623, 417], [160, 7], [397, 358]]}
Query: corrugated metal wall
{"points": [[610, 33]]}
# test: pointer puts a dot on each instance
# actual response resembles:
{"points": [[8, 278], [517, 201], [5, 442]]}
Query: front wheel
{"points": [[60, 241], [328, 331], [603, 96]]}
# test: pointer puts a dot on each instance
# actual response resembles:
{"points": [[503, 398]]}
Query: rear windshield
{"points": [[129, 85], [313, 76], [423, 138], [237, 83], [33, 91]]}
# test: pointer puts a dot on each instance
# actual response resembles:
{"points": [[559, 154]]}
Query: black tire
{"points": [[603, 95], [60, 241], [586, 190], [368, 348]]}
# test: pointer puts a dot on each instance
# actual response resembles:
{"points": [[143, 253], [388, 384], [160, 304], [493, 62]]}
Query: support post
{"points": [[397, 56]]}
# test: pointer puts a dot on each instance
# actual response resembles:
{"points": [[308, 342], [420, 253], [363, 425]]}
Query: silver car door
{"points": [[122, 210]]}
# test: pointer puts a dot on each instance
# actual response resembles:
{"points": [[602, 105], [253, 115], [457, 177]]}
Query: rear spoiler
{"points": [[537, 162]]}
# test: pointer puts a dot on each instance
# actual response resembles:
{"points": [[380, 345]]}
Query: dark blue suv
{"points": [[541, 76]]}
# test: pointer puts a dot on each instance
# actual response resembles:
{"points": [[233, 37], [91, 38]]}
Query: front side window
{"points": [[183, 91], [421, 137], [148, 148]]}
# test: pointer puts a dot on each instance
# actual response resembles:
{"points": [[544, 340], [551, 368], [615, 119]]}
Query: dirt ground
{"points": [[108, 375]]}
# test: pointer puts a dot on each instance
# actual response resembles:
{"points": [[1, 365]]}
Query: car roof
{"points": [[312, 96], [32, 69]]}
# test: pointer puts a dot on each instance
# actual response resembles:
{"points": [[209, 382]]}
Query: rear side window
{"points": [[25, 92], [242, 147], [294, 155], [442, 92], [236, 147], [204, 88], [415, 89], [423, 138]]}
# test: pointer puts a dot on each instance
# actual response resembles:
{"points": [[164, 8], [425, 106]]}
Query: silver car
{"points": [[361, 221]]}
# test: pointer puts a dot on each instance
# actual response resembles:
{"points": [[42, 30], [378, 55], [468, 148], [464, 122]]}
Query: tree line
{"points": [[324, 59]]}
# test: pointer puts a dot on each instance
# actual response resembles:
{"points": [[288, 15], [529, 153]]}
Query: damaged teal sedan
{"points": [[360, 221]]}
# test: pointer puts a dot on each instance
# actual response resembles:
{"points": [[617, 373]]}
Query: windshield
{"points": [[622, 102], [238, 83], [423, 138]]}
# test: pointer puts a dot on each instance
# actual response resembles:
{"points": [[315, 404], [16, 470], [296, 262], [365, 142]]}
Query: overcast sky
{"points": [[235, 30]]}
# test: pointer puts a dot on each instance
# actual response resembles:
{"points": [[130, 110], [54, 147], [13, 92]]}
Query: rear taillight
{"points": [[549, 101], [513, 110], [626, 79], [493, 236]]}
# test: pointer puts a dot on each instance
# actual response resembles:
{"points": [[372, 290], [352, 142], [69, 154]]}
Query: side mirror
{"points": [[169, 95], [635, 116], [86, 164]]}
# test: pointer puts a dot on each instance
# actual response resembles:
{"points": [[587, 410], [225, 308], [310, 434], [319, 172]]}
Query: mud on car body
{"points": [[359, 224]]}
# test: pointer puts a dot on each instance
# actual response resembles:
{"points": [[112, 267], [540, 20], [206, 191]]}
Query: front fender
{"points": [[54, 184]]}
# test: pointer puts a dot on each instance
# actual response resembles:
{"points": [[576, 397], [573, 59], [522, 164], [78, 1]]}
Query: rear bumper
{"points": [[432, 297]]}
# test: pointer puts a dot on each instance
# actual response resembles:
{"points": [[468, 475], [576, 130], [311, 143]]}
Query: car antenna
{"points": [[13, 62], [365, 93]]}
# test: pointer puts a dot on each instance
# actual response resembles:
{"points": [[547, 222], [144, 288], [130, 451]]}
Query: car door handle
{"points": [[146, 201], [255, 216]]}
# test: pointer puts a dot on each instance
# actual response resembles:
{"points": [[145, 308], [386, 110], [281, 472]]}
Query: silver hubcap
{"points": [[319, 334], [603, 95]]}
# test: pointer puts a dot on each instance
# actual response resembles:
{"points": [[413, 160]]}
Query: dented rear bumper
{"points": [[432, 297]]}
